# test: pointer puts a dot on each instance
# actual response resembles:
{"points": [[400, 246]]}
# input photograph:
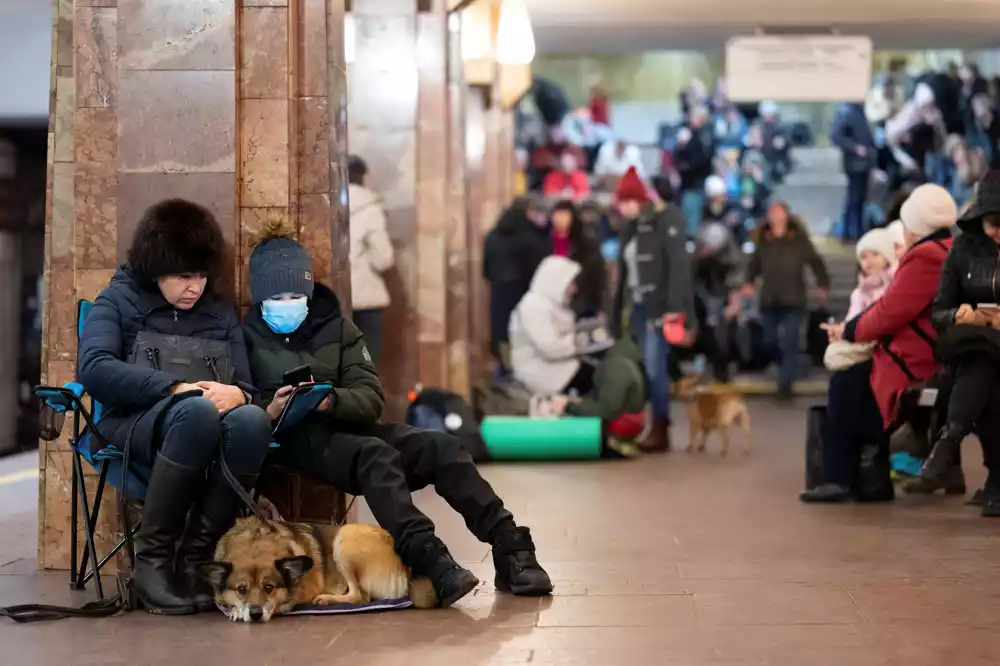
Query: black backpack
{"points": [[444, 411]]}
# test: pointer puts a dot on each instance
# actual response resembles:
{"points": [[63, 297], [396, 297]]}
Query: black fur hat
{"points": [[177, 237]]}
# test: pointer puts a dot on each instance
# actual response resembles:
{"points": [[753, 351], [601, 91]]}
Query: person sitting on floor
{"points": [[296, 322], [543, 350]]}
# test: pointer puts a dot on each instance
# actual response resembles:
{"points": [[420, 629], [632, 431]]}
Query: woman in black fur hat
{"points": [[174, 430]]}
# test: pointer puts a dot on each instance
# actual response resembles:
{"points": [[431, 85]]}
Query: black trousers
{"points": [[583, 381], [974, 405], [853, 422], [976, 381], [384, 463]]}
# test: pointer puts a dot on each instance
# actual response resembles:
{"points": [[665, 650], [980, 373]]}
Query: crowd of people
{"points": [[702, 240], [692, 256], [923, 317], [938, 127]]}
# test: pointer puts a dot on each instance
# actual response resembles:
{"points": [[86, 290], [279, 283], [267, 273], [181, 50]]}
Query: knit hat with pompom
{"points": [[279, 264]]}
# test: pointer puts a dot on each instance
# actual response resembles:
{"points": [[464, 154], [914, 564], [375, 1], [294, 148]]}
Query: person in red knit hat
{"points": [[654, 288]]}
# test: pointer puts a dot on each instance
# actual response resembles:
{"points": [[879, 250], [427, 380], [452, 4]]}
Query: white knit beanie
{"points": [[877, 240], [929, 209]]}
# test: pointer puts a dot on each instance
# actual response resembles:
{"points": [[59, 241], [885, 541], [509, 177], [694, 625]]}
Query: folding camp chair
{"points": [[107, 460]]}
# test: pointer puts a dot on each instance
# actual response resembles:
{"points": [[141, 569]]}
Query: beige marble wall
{"points": [[225, 103], [384, 84]]}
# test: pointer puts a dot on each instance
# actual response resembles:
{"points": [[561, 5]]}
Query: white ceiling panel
{"points": [[585, 26]]}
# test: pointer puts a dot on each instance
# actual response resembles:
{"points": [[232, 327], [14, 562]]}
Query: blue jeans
{"points": [[655, 352], [692, 206], [854, 206], [781, 339]]}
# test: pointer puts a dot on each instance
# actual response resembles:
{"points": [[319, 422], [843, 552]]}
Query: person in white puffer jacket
{"points": [[371, 255], [542, 333]]}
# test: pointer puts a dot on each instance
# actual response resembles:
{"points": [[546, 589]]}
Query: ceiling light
{"points": [[515, 39]]}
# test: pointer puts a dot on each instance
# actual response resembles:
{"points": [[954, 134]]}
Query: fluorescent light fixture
{"points": [[350, 38]]}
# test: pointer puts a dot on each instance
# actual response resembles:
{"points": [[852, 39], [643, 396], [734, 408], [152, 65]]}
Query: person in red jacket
{"points": [[900, 322], [568, 182], [901, 319]]}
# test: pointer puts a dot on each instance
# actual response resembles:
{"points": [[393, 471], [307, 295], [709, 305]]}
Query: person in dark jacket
{"points": [[851, 133], [693, 159], [783, 253], [969, 345], [512, 251], [174, 428], [572, 240], [295, 322], [654, 287]]}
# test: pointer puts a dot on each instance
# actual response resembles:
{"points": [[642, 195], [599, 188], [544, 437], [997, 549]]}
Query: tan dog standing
{"points": [[715, 408]]}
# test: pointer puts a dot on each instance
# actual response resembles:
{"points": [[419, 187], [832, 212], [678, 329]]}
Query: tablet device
{"points": [[303, 401]]}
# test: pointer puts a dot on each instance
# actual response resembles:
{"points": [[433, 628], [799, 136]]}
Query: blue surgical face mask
{"points": [[284, 317]]}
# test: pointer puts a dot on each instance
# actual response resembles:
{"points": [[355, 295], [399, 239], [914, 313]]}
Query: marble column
{"points": [[224, 102]]}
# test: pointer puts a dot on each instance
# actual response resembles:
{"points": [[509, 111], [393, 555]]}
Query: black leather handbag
{"points": [[194, 359]]}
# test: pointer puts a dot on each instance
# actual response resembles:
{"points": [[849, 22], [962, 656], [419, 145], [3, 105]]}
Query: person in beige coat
{"points": [[371, 255]]}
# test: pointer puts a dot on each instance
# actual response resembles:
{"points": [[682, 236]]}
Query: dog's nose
{"points": [[256, 613]]}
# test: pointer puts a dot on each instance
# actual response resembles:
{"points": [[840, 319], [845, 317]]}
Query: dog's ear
{"points": [[293, 568], [216, 574]]}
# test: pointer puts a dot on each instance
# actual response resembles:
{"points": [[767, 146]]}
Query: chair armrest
{"points": [[61, 398]]}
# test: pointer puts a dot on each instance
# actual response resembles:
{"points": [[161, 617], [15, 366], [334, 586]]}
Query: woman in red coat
{"points": [[900, 320]]}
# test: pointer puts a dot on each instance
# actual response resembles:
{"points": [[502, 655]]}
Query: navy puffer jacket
{"points": [[120, 312]]}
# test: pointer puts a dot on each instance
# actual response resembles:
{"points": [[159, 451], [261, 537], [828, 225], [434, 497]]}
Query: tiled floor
{"points": [[671, 560]]}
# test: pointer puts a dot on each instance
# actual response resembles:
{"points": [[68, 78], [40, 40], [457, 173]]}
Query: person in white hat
{"points": [[898, 234], [900, 321], [876, 257]]}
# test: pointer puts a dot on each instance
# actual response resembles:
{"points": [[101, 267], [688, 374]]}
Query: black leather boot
{"points": [[517, 569], [171, 491], [991, 497], [427, 556], [936, 470], [209, 520]]}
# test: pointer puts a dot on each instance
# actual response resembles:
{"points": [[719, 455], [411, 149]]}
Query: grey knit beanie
{"points": [[279, 265]]}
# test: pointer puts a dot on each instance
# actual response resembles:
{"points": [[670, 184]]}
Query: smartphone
{"points": [[987, 306], [300, 375]]}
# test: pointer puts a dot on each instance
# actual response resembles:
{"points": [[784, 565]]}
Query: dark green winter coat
{"points": [[619, 387], [331, 345]]}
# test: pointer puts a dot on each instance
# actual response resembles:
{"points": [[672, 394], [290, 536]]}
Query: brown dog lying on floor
{"points": [[714, 408], [262, 568]]}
